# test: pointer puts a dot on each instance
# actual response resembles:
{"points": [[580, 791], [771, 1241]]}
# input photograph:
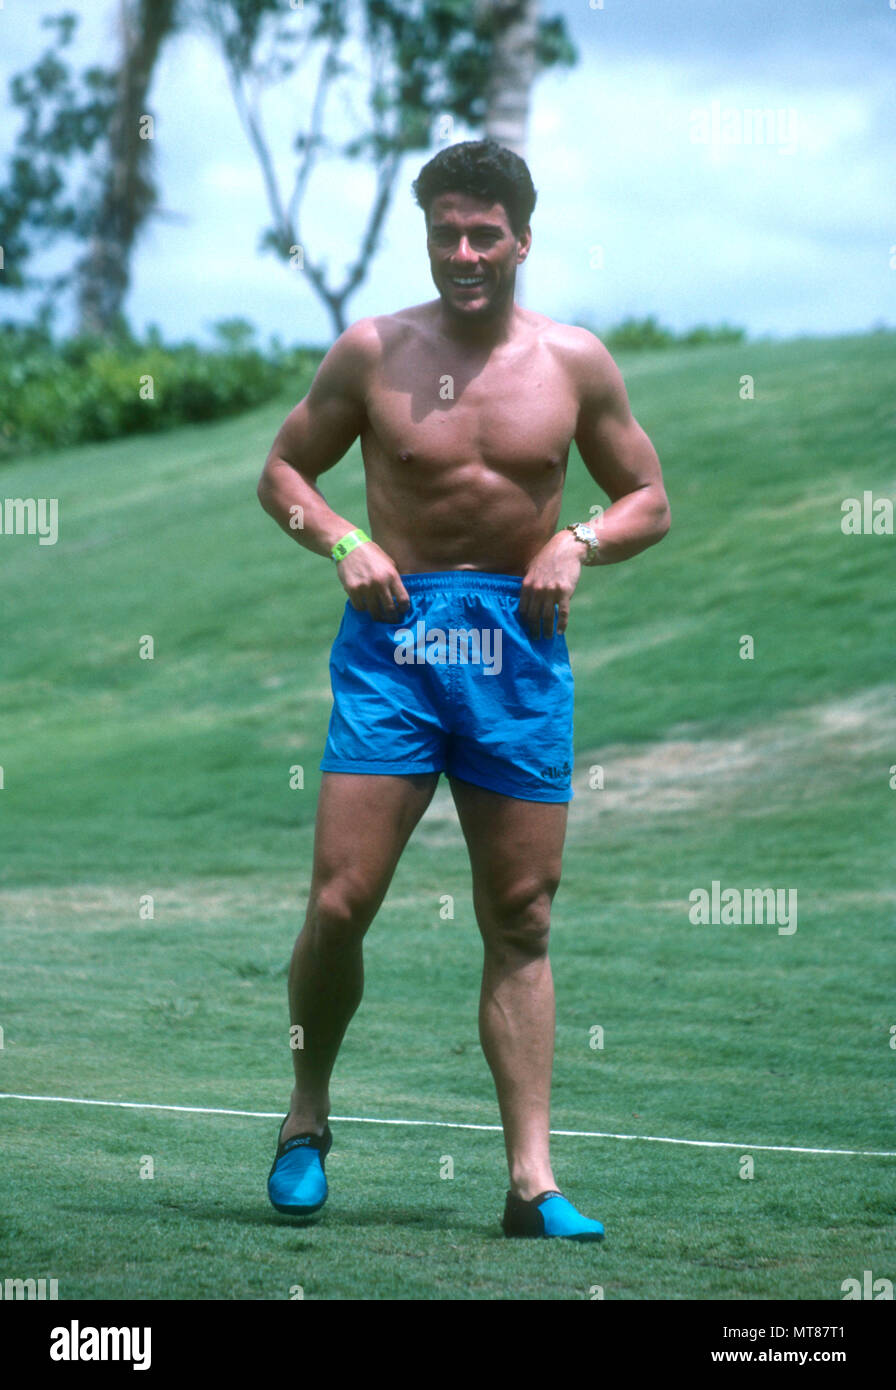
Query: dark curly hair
{"points": [[483, 169]]}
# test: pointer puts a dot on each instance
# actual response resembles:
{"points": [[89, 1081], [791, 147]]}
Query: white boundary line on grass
{"points": [[454, 1124]]}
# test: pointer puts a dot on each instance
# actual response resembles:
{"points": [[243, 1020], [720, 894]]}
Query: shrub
{"points": [[638, 335], [81, 389]]}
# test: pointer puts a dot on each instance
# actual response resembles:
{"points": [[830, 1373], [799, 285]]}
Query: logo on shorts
{"points": [[459, 646], [557, 774]]}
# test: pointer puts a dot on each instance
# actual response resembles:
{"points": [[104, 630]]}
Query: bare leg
{"points": [[363, 825], [516, 850]]}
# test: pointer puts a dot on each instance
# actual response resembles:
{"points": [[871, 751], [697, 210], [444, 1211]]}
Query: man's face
{"points": [[473, 254]]}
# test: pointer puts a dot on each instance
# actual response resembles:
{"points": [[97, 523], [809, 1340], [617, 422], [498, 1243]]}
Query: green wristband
{"points": [[348, 544]]}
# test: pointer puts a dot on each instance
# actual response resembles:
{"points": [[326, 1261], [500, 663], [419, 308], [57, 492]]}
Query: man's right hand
{"points": [[373, 584]]}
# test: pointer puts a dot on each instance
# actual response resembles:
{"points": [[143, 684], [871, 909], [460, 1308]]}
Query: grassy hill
{"points": [[170, 777]]}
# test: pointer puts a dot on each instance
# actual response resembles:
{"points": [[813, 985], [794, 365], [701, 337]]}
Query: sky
{"points": [[704, 161]]}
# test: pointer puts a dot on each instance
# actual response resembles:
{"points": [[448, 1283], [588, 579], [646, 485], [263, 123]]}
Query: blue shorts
{"points": [[455, 685]]}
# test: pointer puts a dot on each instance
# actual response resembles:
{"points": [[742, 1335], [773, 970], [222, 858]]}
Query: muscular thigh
{"points": [[363, 824], [515, 846]]}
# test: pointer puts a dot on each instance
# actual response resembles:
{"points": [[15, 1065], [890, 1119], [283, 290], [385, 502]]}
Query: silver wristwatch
{"points": [[587, 536]]}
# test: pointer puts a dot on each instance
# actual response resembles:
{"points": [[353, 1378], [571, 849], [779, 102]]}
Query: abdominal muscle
{"points": [[471, 518]]}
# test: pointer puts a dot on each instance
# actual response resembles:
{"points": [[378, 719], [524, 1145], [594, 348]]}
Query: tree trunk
{"points": [[127, 194], [513, 25]]}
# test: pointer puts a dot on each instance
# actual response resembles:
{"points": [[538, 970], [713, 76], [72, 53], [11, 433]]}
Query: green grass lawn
{"points": [[170, 777]]}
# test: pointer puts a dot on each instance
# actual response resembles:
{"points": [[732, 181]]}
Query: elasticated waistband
{"points": [[462, 581]]}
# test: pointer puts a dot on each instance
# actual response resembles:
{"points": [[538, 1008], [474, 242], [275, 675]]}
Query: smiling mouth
{"points": [[467, 281]]}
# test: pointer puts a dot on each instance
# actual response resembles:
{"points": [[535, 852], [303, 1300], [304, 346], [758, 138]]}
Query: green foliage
{"points": [[91, 388], [703, 333], [438, 55], [79, 168], [65, 118], [553, 46], [638, 335]]}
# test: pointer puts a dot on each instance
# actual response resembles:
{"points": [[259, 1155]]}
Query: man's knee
{"points": [[518, 920], [341, 910]]}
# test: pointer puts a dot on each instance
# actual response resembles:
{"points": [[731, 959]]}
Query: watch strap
{"points": [[588, 537]]}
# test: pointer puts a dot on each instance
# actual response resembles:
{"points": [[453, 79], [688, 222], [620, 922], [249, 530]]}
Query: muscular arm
{"points": [[621, 459], [313, 438]]}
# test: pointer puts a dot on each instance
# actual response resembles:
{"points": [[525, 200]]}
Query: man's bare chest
{"points": [[444, 414]]}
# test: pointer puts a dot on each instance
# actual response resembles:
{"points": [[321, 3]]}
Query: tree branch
{"points": [[324, 78]]}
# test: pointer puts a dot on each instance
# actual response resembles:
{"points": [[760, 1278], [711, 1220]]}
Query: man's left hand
{"points": [[549, 584]]}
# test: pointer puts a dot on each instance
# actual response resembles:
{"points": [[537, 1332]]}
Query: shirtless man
{"points": [[451, 654]]}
